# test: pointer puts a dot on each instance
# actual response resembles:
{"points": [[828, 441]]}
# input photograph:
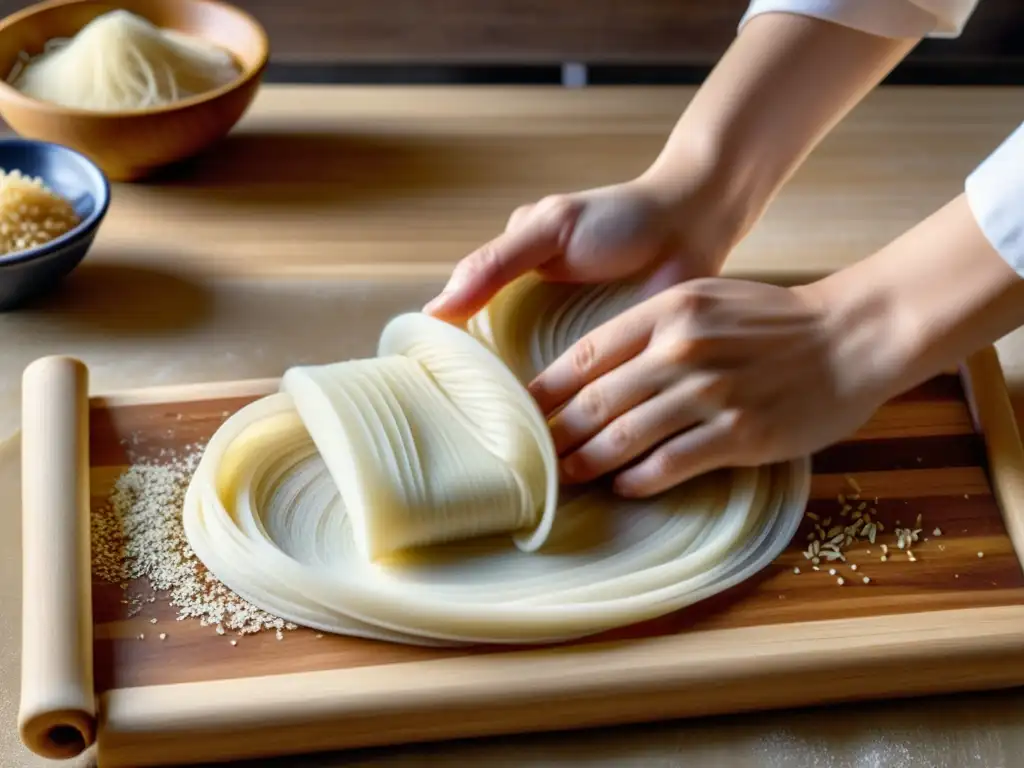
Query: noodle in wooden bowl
{"points": [[168, 78]]}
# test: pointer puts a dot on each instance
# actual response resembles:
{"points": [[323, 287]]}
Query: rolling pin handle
{"points": [[57, 715]]}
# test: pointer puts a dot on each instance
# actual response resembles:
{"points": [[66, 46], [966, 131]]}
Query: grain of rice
{"points": [[31, 214]]}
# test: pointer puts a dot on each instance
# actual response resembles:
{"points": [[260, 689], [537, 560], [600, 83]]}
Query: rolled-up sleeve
{"points": [[886, 18]]}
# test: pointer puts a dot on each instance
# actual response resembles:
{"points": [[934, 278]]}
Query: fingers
{"points": [[697, 451], [604, 401], [602, 350], [616, 442], [627, 437], [532, 238]]}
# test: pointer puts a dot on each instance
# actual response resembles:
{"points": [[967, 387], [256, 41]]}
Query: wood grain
{"points": [[397, 184], [532, 31], [136, 330], [918, 456]]}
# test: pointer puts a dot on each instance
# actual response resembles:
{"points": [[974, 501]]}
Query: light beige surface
{"points": [[58, 704], [264, 256]]}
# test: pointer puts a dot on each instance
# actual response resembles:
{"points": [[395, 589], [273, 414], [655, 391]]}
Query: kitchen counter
{"points": [[331, 209]]}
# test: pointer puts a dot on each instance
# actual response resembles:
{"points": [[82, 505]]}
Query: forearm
{"points": [[783, 84], [923, 303]]}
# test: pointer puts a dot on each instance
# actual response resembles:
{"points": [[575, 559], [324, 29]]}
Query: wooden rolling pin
{"points": [[57, 716]]}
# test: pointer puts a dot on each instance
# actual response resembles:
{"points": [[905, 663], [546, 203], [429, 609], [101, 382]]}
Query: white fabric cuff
{"points": [[995, 193], [885, 18]]}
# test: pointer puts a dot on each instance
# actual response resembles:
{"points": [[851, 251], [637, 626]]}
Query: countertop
{"points": [[330, 209]]}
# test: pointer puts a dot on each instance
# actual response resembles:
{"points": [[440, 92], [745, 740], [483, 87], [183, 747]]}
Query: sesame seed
{"points": [[937, 532], [318, 636], [981, 554], [137, 536], [866, 580], [853, 567], [840, 581], [831, 571], [234, 642], [142, 637], [796, 570], [884, 558], [163, 635]]}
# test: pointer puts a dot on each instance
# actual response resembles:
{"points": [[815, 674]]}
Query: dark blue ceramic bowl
{"points": [[28, 274]]}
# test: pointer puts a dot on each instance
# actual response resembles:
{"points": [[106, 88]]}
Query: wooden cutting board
{"points": [[950, 619]]}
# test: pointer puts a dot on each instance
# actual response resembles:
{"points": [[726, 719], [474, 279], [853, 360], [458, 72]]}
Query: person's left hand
{"points": [[707, 374]]}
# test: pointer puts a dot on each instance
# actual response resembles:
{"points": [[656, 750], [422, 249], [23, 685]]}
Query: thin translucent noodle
{"points": [[122, 62]]}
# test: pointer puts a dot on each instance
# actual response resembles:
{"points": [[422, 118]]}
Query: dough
{"points": [[413, 496]]}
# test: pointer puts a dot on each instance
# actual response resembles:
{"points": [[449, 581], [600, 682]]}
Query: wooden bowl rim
{"points": [[12, 95]]}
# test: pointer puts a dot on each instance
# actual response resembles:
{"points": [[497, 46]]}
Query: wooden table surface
{"points": [[333, 208]]}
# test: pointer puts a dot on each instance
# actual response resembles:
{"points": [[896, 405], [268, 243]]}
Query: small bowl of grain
{"points": [[52, 202]]}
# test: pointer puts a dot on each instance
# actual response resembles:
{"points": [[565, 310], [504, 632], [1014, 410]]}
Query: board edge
{"points": [[185, 393], [989, 400], [701, 673]]}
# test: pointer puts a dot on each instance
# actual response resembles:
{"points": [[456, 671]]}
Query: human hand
{"points": [[707, 374], [666, 231]]}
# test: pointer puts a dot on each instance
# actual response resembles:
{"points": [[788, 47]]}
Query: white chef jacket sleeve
{"points": [[885, 18], [995, 193]]}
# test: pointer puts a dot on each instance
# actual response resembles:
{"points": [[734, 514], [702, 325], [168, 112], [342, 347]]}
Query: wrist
{"points": [[867, 342], [697, 184], [781, 86], [923, 303]]}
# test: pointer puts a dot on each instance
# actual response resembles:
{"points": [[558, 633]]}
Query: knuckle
{"points": [[681, 350], [485, 261], [555, 209], [553, 203], [518, 217], [592, 403], [664, 462], [750, 433], [583, 356], [621, 435], [692, 299]]}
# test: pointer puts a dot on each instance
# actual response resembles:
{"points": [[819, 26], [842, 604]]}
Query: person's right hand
{"points": [[609, 233]]}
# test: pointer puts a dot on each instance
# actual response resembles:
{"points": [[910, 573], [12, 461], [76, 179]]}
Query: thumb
{"points": [[479, 276]]}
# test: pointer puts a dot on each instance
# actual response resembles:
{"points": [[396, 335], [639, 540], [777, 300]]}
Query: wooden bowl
{"points": [[130, 145]]}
